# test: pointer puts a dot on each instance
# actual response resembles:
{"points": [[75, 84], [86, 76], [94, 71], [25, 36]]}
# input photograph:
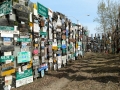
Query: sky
{"points": [[75, 10]]}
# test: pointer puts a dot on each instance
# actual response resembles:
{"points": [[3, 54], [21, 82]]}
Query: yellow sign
{"points": [[30, 64], [30, 24], [35, 6], [36, 45], [9, 72], [54, 47], [76, 45]]}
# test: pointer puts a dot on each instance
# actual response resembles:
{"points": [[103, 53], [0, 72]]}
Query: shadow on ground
{"points": [[73, 68]]}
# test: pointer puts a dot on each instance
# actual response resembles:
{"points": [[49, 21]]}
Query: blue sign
{"points": [[6, 39], [42, 68], [67, 33], [63, 46]]}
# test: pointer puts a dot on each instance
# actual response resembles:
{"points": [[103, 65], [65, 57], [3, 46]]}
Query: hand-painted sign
{"points": [[42, 10], [23, 57], [6, 7]]}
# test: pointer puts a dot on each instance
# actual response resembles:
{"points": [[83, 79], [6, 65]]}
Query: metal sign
{"points": [[42, 10], [23, 78], [6, 7], [6, 28], [23, 57], [6, 39], [23, 39], [9, 32], [5, 58]]}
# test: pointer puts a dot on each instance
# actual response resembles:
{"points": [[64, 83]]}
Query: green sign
{"points": [[70, 46], [23, 57], [24, 40], [5, 58], [26, 73], [42, 10], [6, 7], [59, 46], [6, 28], [43, 33]]}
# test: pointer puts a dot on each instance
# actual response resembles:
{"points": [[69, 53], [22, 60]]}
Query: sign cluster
{"points": [[36, 41]]}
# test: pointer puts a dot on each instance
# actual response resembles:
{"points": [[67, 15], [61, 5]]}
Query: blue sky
{"points": [[78, 9]]}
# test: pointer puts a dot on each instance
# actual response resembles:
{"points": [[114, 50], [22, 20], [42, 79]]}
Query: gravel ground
{"points": [[93, 72]]}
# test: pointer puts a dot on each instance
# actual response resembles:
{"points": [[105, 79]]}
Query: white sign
{"points": [[50, 60], [59, 59], [8, 80], [9, 32], [24, 81], [59, 65], [50, 12], [7, 53], [64, 59], [54, 44], [6, 35], [36, 27], [36, 57]]}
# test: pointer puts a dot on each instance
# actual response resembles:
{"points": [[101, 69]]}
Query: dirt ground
{"points": [[93, 72]]}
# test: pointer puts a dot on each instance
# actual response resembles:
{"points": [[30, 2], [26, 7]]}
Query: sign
{"points": [[9, 32], [8, 80], [24, 74], [50, 12], [5, 58], [36, 62], [9, 72], [42, 10], [23, 57], [6, 28], [7, 53], [8, 66], [6, 39], [22, 16], [42, 73], [42, 67], [23, 39], [20, 7], [23, 29], [6, 7], [43, 33], [24, 77], [7, 48]]}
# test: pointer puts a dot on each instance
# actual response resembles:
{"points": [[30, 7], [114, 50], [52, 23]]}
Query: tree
{"points": [[107, 14]]}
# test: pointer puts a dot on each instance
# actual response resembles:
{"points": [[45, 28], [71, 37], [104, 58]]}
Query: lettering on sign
{"points": [[9, 32], [6, 28], [6, 7], [5, 67], [5, 58], [23, 57], [42, 10]]}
